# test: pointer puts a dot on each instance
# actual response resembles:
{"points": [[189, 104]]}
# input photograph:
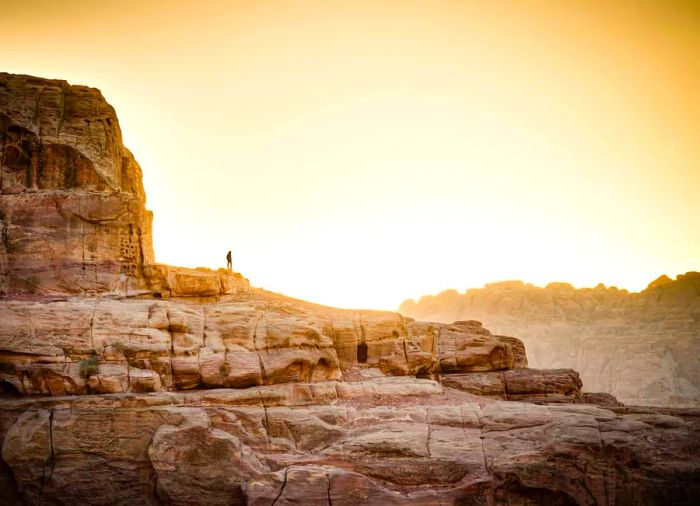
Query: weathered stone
{"points": [[600, 399], [529, 385], [167, 281], [209, 450], [324, 407], [640, 347], [466, 346], [83, 228], [143, 380], [193, 460], [109, 379], [27, 450]]}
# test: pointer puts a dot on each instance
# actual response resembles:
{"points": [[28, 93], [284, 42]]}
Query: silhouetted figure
{"points": [[229, 263]]}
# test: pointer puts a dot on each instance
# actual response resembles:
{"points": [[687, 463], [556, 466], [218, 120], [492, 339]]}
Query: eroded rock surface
{"points": [[72, 209], [313, 444], [128, 382], [112, 345], [642, 347], [73, 216]]}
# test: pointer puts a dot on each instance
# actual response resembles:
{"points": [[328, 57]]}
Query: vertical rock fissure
{"points": [[92, 326], [427, 442], [284, 484], [37, 104], [405, 353], [50, 462], [328, 489], [61, 112], [256, 348], [267, 427], [13, 478], [436, 348], [259, 316], [482, 436], [605, 478], [486, 464]]}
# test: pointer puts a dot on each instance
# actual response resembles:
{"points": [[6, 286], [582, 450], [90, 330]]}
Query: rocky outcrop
{"points": [[530, 385], [72, 209], [109, 345], [142, 383], [641, 347], [419, 443], [73, 216], [166, 281]]}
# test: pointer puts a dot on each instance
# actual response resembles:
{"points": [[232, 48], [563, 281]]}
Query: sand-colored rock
{"points": [[257, 339], [72, 208], [166, 281], [641, 347], [387, 450], [194, 461], [112, 368], [530, 385]]}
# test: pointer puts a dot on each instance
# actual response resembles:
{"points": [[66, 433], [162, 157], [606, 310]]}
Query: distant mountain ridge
{"points": [[643, 347]]}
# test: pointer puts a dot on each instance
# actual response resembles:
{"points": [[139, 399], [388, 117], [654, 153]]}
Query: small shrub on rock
{"points": [[88, 367]]}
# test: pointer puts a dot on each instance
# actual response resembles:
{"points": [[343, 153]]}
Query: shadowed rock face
{"points": [[72, 209], [402, 441], [163, 385], [73, 216], [642, 347]]}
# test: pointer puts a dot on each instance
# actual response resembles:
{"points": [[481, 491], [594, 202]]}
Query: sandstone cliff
{"points": [[72, 209], [73, 216], [642, 347], [140, 383]]}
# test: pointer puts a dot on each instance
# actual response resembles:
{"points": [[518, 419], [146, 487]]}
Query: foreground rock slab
{"points": [[414, 443]]}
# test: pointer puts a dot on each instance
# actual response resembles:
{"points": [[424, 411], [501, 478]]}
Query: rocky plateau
{"points": [[644, 348], [124, 381]]}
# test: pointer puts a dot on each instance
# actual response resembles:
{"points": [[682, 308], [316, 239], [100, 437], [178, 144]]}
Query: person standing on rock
{"points": [[229, 263]]}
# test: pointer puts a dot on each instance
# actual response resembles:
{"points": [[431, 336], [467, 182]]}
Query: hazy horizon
{"points": [[358, 154], [539, 285]]}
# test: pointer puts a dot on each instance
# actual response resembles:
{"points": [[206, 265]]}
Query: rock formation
{"points": [[642, 347], [72, 206], [125, 381]]}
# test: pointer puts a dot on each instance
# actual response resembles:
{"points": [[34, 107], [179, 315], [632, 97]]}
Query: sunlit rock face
{"points": [[154, 384], [72, 206], [72, 209], [641, 347]]}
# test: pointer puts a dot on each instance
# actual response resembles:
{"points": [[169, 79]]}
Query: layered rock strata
{"points": [[72, 209], [109, 345], [642, 347], [142, 383], [73, 216], [399, 441]]}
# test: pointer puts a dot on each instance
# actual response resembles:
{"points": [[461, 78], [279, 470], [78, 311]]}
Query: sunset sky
{"points": [[357, 153]]}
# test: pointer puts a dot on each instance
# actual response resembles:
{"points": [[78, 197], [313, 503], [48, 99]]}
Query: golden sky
{"points": [[357, 153]]}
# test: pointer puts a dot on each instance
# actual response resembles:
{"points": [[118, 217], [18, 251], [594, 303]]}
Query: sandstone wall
{"points": [[407, 442], [72, 209], [107, 345]]}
